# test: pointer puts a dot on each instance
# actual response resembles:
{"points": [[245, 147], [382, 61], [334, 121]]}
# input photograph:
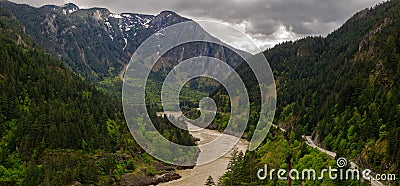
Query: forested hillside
{"points": [[343, 89], [55, 128]]}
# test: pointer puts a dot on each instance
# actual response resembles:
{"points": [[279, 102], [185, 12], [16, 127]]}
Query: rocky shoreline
{"points": [[132, 180]]}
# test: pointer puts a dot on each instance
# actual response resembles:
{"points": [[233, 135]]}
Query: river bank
{"points": [[198, 175]]}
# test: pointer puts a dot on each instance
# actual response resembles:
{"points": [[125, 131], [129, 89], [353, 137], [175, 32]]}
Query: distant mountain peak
{"points": [[167, 17], [70, 6], [167, 13]]}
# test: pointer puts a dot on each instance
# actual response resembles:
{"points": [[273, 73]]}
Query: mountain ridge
{"points": [[96, 43], [57, 129], [343, 89]]}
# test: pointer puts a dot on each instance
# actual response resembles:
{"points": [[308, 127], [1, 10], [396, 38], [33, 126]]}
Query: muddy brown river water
{"points": [[198, 175]]}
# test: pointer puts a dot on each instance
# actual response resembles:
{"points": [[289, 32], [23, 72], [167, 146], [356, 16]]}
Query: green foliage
{"points": [[151, 171], [343, 88], [55, 128], [111, 85], [279, 153], [13, 171], [113, 129], [64, 167]]}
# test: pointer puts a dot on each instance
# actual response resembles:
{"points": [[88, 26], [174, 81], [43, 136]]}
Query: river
{"points": [[198, 175]]}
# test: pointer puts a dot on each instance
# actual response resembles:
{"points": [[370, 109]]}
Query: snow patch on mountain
{"points": [[69, 8], [126, 43], [116, 16]]}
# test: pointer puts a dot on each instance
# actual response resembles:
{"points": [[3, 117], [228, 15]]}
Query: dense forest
{"points": [[281, 150], [55, 128], [342, 89]]}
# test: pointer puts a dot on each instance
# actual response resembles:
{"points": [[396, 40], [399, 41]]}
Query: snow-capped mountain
{"points": [[131, 27], [97, 43]]}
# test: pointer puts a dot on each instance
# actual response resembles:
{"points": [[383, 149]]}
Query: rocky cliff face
{"points": [[95, 42]]}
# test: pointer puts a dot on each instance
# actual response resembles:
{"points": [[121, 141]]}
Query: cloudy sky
{"points": [[267, 22]]}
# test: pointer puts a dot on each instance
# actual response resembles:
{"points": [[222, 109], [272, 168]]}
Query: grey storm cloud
{"points": [[303, 16], [262, 17]]}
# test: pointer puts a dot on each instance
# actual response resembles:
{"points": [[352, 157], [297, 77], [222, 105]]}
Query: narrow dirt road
{"points": [[311, 143]]}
